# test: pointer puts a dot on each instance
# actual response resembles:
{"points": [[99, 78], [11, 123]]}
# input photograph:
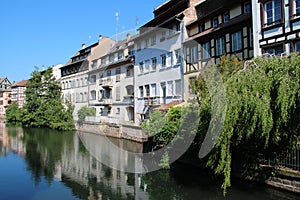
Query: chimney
{"points": [[83, 46], [100, 38], [128, 36]]}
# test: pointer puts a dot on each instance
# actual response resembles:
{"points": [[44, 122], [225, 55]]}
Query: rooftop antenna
{"points": [[117, 24], [136, 22]]}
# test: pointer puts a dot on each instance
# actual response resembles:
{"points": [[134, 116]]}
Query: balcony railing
{"points": [[152, 100], [106, 101], [106, 83]]}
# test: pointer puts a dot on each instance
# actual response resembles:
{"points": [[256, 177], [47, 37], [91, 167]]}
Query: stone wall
{"points": [[129, 132]]}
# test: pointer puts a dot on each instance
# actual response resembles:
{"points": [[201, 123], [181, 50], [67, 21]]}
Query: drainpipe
{"points": [[181, 57]]}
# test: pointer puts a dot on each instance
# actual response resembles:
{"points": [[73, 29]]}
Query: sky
{"points": [[49, 32]]}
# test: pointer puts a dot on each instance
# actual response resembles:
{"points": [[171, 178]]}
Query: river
{"points": [[46, 164]]}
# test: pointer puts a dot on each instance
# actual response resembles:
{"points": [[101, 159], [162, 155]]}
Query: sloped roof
{"points": [[20, 84]]}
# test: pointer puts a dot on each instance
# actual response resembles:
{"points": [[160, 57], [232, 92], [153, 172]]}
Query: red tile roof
{"points": [[20, 84], [168, 105]]}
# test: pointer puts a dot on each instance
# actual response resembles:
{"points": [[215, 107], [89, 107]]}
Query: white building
{"points": [[276, 25], [158, 68], [111, 84], [74, 75]]}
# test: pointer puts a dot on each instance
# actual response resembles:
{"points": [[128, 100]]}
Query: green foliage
{"points": [[163, 127], [85, 111], [43, 106], [262, 102], [13, 113], [164, 162]]}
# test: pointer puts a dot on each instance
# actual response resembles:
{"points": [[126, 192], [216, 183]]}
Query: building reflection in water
{"points": [[65, 158]]}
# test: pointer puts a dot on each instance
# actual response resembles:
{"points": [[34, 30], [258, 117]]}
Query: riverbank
{"points": [[121, 131], [280, 178]]}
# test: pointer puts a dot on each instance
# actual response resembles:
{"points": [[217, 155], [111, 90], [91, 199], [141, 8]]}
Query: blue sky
{"points": [[49, 32]]}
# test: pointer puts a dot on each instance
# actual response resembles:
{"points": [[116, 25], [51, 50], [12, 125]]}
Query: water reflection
{"points": [[73, 160]]}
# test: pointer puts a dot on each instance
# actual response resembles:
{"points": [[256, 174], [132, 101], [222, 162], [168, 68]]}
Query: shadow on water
{"points": [[53, 157]]}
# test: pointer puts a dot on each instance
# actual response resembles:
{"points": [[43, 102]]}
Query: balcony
{"points": [[106, 83], [152, 101], [105, 101], [129, 99]]}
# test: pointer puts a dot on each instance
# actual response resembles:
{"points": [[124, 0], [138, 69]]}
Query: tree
{"points": [[85, 111], [43, 105], [14, 113]]}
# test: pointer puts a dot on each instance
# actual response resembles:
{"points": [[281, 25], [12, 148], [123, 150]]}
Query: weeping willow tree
{"points": [[263, 108]]}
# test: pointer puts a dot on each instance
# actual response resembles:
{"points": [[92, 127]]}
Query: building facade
{"points": [[111, 84], [158, 67], [18, 93], [220, 28], [276, 26], [5, 93], [74, 74]]}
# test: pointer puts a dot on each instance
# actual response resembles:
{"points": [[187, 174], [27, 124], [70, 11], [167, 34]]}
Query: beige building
{"points": [[5, 92], [111, 84], [18, 92], [74, 74]]}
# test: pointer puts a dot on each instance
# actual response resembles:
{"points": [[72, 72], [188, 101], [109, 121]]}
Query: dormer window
{"points": [[225, 17], [247, 7], [215, 22]]}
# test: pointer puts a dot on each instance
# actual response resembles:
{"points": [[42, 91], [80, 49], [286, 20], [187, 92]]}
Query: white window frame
{"points": [[271, 14]]}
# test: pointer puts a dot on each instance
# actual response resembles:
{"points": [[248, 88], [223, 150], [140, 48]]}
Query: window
{"points": [[147, 88], [178, 87], [154, 64], [169, 59], [141, 67], [118, 72], [93, 95], [153, 40], [147, 66], [194, 54], [206, 50], [236, 41], [201, 28], [118, 111], [170, 88], [250, 37], [215, 22], [275, 51], [220, 46], [177, 56], [297, 7], [120, 55], [141, 90], [163, 36], [138, 46], [178, 27], [226, 17], [129, 71], [108, 72], [111, 58], [297, 47], [272, 12], [118, 94], [247, 7], [147, 43], [94, 63], [93, 79], [163, 60], [153, 90]]}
